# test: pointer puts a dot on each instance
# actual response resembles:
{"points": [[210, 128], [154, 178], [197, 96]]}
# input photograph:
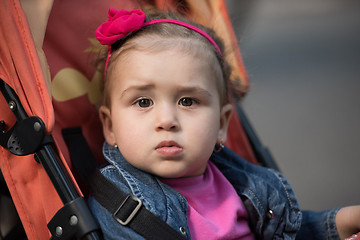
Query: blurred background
{"points": [[303, 60]]}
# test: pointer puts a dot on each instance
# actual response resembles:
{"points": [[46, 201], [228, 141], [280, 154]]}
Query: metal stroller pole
{"points": [[81, 223]]}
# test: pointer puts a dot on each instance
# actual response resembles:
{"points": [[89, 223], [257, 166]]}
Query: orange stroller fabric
{"points": [[68, 49], [28, 183]]}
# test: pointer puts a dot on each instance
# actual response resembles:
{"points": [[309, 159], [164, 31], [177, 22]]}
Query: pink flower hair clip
{"points": [[121, 23]]}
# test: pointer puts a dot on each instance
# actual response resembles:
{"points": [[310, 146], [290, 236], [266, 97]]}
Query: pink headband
{"points": [[122, 22], [198, 30]]}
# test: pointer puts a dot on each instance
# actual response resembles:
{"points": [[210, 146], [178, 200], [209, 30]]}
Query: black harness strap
{"points": [[125, 208], [129, 211]]}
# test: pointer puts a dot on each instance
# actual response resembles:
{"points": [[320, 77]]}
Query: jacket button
{"points": [[270, 214], [183, 230]]}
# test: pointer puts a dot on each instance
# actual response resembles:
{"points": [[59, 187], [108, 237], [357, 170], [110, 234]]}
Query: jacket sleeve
{"points": [[318, 225]]}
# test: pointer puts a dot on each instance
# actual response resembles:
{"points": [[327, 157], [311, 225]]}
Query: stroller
{"points": [[34, 158]]}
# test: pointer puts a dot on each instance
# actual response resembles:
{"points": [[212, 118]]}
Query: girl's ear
{"points": [[105, 117], [225, 116]]}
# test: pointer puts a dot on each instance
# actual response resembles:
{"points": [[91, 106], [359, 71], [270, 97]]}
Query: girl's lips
{"points": [[169, 149]]}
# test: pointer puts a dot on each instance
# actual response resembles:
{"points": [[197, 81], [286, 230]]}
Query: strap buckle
{"points": [[129, 210]]}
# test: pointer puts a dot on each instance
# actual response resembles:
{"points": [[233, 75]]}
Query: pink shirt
{"points": [[215, 211]]}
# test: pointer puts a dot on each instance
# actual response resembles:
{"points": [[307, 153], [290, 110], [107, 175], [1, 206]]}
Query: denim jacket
{"points": [[272, 207]]}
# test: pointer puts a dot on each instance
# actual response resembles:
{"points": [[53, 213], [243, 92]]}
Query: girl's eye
{"points": [[144, 103], [187, 102]]}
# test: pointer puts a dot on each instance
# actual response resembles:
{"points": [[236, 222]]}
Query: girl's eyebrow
{"points": [[137, 88], [194, 90]]}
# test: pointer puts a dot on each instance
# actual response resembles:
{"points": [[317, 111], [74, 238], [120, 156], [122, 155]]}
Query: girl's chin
{"points": [[179, 174]]}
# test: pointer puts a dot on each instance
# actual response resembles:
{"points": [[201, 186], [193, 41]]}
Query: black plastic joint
{"points": [[74, 220], [25, 137]]}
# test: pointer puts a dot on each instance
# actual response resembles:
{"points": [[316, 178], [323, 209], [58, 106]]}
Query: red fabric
{"points": [[19, 60]]}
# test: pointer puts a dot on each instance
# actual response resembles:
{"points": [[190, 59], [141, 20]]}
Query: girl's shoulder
{"points": [[265, 192]]}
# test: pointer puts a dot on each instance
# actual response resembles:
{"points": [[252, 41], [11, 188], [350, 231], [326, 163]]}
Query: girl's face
{"points": [[165, 113]]}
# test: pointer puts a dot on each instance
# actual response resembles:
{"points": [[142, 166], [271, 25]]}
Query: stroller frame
{"points": [[74, 218]]}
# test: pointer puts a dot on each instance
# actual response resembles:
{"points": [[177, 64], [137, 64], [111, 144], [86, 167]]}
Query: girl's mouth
{"points": [[169, 149]]}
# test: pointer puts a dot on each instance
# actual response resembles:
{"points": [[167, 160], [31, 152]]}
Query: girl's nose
{"points": [[166, 118]]}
